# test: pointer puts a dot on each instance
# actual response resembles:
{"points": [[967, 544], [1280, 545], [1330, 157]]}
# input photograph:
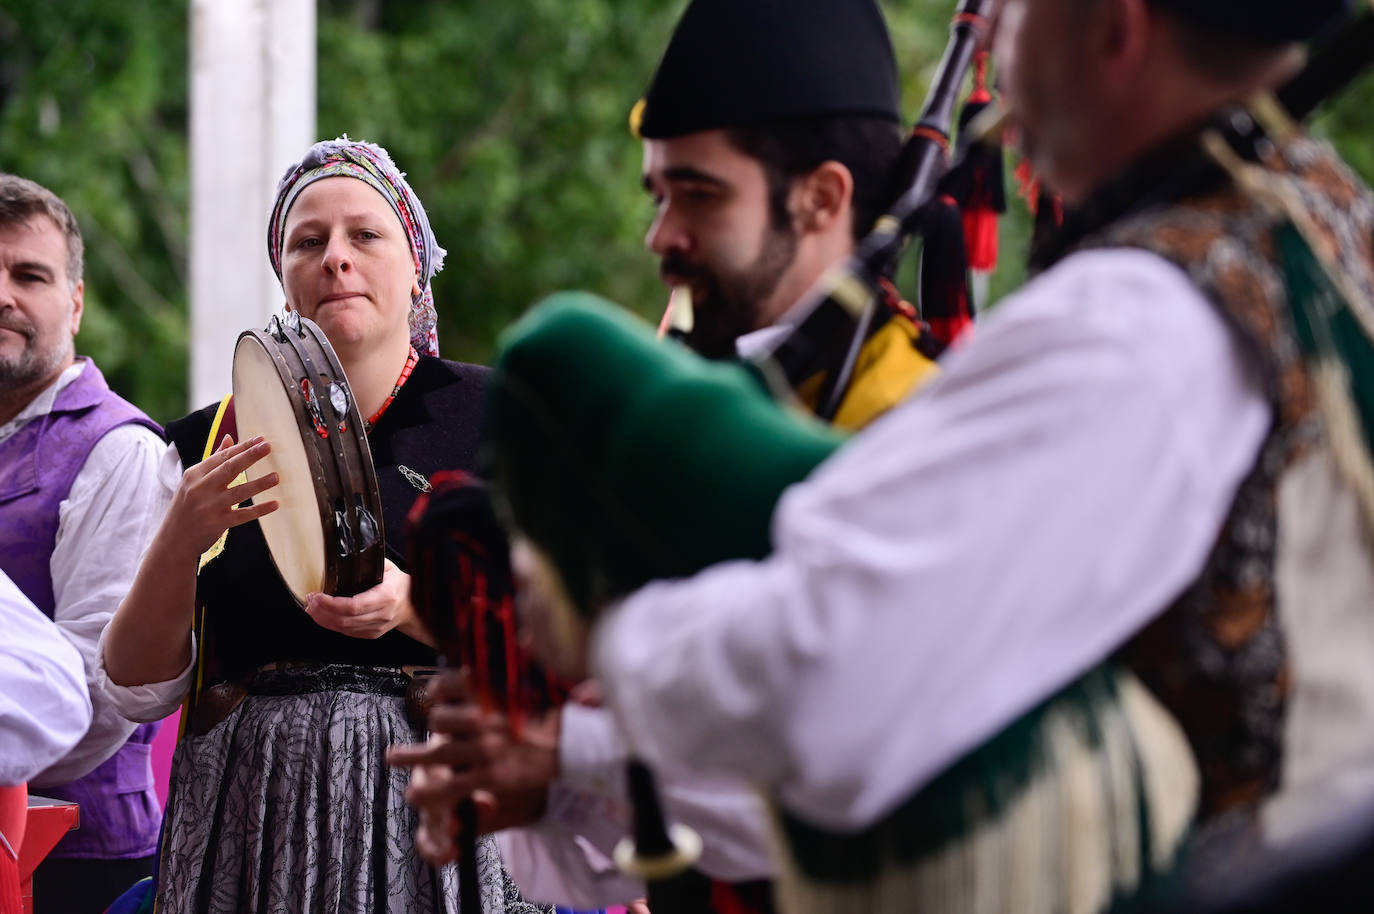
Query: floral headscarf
{"points": [[370, 163]]}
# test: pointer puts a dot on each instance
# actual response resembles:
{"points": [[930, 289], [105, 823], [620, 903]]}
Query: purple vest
{"points": [[38, 464]]}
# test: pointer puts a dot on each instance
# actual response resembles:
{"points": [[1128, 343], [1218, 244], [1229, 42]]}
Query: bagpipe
{"points": [[586, 468], [545, 486], [462, 589]]}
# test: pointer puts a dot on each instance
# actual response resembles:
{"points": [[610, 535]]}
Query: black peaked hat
{"points": [[1266, 20], [736, 62]]}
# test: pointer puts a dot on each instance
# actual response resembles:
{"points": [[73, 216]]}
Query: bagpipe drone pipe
{"points": [[951, 211]]}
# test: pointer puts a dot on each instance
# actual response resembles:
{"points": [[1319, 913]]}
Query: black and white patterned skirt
{"points": [[287, 806]]}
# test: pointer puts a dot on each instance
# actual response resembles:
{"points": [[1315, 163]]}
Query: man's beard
{"points": [[729, 306], [31, 363]]}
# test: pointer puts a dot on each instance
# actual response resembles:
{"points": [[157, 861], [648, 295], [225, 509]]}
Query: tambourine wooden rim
{"points": [[337, 455]]}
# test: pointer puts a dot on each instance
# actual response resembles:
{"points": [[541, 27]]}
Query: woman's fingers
{"points": [[227, 449], [350, 620], [237, 459], [251, 513], [247, 490]]}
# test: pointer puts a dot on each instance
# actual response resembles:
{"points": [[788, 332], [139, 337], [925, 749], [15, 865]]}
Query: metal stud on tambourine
{"points": [[326, 535]]}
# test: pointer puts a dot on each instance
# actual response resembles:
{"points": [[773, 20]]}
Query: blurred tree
{"points": [[511, 121], [93, 105], [510, 116]]}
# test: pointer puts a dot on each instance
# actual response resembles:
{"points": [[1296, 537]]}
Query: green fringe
{"points": [[1325, 325], [972, 793]]}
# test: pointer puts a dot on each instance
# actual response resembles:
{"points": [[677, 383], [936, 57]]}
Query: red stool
{"points": [[13, 813], [47, 821]]}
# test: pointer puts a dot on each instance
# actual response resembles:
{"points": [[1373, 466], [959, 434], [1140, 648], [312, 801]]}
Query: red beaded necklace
{"points": [[411, 359]]}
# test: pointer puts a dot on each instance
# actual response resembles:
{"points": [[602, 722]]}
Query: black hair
{"points": [[868, 146]]}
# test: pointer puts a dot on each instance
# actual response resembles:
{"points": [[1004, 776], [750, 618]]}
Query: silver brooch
{"points": [[415, 479]]}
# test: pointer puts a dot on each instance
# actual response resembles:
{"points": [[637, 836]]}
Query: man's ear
{"points": [[78, 305], [823, 198], [1123, 32]]}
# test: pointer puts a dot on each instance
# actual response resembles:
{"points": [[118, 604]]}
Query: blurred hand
{"points": [[473, 753], [206, 501], [433, 794], [372, 613], [586, 693]]}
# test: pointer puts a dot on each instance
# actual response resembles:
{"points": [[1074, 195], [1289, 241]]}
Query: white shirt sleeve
{"points": [[45, 706], [730, 816], [154, 700], [566, 858], [962, 558], [104, 527], [553, 866]]}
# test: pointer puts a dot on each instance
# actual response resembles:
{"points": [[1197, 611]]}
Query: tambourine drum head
{"points": [[294, 532]]}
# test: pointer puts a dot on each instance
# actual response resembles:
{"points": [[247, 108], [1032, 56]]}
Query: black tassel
{"points": [[944, 299]]}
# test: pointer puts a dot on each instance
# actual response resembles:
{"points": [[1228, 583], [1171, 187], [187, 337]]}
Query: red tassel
{"points": [[980, 238], [979, 185]]}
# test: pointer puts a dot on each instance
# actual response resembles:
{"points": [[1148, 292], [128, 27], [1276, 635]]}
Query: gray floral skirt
{"points": [[287, 806]]}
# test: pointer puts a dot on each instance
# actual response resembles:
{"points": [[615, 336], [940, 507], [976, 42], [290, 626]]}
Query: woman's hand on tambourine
{"points": [[206, 502], [372, 613]]}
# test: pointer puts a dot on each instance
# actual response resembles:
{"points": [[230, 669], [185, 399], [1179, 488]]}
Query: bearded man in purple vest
{"points": [[79, 502]]}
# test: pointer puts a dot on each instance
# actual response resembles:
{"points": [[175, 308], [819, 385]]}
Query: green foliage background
{"points": [[509, 116]]}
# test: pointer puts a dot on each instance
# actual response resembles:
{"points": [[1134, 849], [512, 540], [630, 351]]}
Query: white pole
{"points": [[252, 114]]}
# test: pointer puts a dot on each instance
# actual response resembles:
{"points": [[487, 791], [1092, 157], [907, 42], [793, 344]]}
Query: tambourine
{"points": [[326, 535]]}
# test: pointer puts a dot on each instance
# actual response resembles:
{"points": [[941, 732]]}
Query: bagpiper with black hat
{"points": [[781, 123], [1156, 457]]}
